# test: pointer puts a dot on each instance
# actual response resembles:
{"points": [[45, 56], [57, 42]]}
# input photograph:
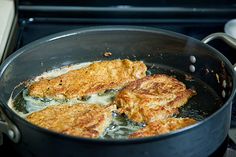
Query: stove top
{"points": [[40, 20]]}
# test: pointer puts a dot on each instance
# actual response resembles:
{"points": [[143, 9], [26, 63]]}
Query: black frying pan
{"points": [[170, 53]]}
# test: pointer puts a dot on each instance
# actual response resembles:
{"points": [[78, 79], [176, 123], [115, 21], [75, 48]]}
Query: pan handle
{"points": [[8, 128], [223, 36], [228, 39]]}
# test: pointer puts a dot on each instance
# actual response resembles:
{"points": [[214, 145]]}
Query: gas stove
{"points": [[36, 19]]}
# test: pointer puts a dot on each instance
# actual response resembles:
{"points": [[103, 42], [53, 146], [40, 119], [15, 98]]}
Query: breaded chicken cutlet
{"points": [[96, 78], [163, 126], [152, 97], [78, 120]]}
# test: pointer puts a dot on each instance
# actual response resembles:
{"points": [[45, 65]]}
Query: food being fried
{"points": [[152, 97], [96, 78], [163, 126], [91, 88], [78, 120]]}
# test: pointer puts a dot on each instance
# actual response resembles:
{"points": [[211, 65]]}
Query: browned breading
{"points": [[152, 97], [95, 78], [78, 120], [163, 126]]}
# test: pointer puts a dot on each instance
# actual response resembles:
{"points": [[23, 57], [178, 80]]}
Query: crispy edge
{"points": [[162, 127]]}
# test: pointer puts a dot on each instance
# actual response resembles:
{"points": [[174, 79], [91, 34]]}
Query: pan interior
{"points": [[200, 106]]}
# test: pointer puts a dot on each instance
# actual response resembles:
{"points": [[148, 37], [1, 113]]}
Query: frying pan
{"points": [[171, 52]]}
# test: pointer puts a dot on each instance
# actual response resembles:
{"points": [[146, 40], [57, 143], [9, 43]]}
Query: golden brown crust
{"points": [[152, 97], [78, 120], [95, 78], [163, 126]]}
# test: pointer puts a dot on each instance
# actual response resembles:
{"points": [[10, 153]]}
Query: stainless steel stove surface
{"points": [[38, 19]]}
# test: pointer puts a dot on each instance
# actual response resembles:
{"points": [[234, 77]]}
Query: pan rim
{"points": [[64, 34]]}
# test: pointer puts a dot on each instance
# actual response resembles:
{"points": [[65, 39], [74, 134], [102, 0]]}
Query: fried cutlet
{"points": [[96, 78], [152, 97], [163, 126], [78, 120]]}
